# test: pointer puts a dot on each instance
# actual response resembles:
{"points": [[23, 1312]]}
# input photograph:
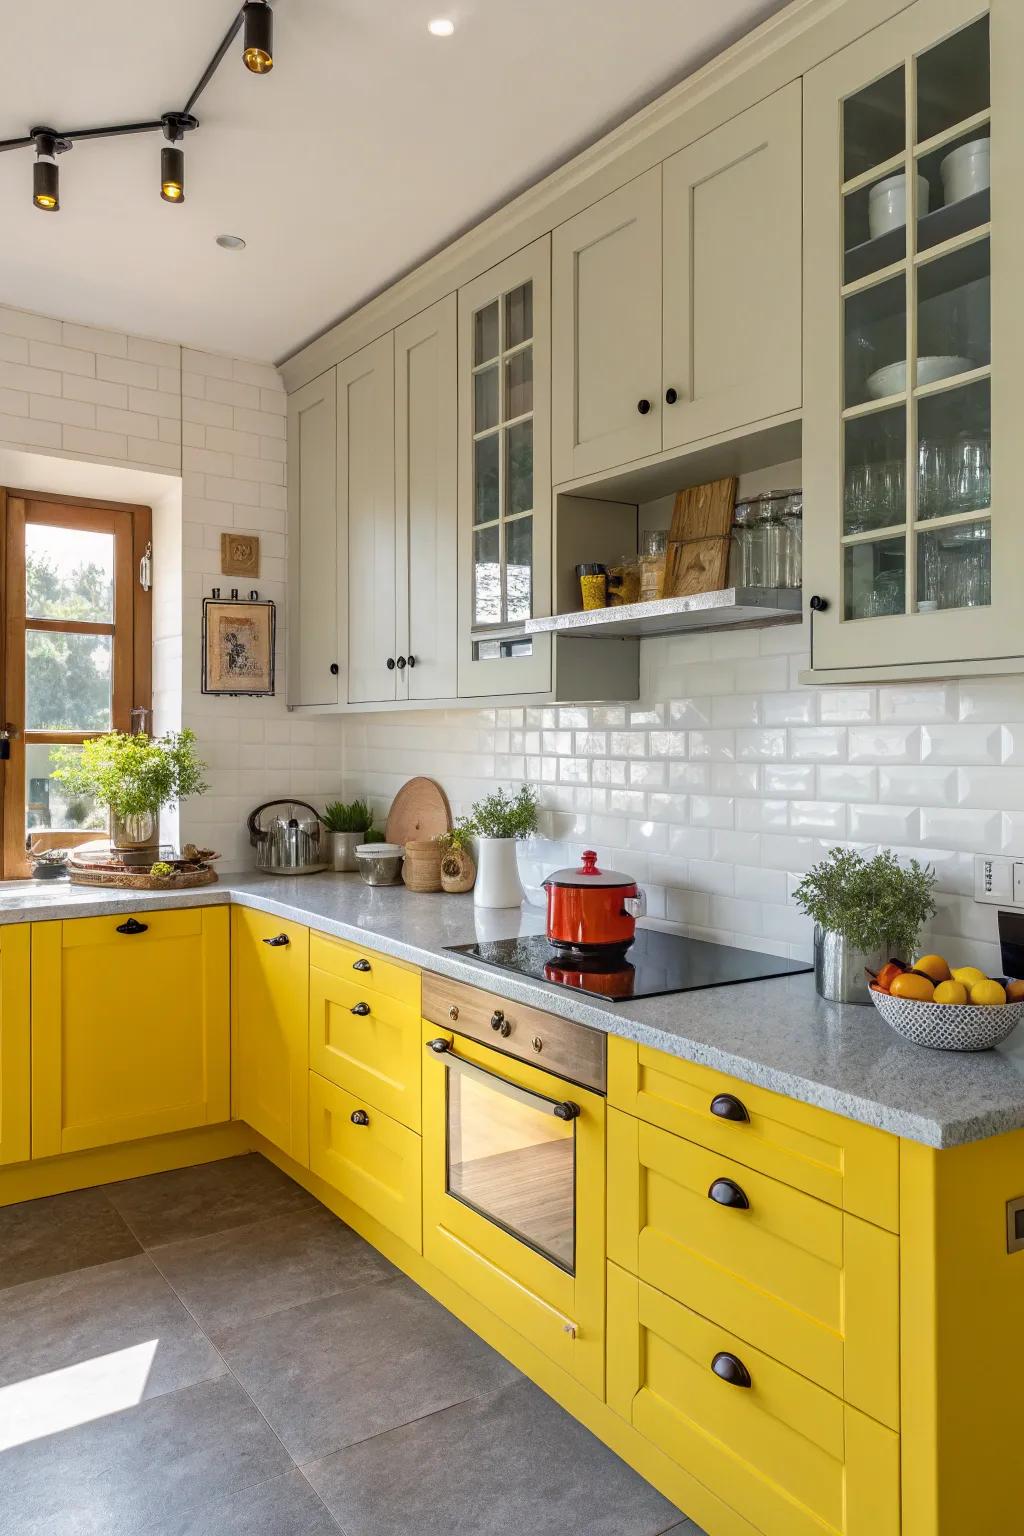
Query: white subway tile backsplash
{"points": [[974, 831], [917, 785], [918, 703], [885, 824], [883, 744]]}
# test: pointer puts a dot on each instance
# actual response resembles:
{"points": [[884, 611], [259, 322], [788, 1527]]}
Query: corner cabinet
{"points": [[915, 345], [270, 1031]]}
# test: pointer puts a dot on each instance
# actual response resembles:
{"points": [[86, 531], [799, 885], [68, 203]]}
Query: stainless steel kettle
{"points": [[289, 843]]}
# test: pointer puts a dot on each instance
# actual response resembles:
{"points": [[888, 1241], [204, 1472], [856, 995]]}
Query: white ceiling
{"points": [[369, 145]]}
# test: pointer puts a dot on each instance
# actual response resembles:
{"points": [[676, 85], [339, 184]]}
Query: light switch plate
{"points": [[998, 881]]}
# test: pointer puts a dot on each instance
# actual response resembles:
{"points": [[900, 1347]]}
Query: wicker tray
{"points": [[949, 1026], [136, 880]]}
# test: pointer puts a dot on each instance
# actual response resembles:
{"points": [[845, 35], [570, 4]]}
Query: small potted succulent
{"points": [[348, 824], [865, 912], [458, 867], [499, 822], [134, 776]]}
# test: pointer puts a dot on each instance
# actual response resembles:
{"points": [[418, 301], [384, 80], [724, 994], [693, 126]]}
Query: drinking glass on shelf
{"points": [[971, 474], [886, 595], [933, 479]]}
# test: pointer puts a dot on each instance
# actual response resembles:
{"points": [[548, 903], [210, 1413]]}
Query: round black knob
{"points": [[361, 965], [643, 406], [362, 1009], [728, 1368], [670, 396], [819, 604], [391, 663], [500, 1024], [401, 663], [726, 1192], [359, 1117], [566, 1111], [334, 669], [727, 1107], [412, 661]]}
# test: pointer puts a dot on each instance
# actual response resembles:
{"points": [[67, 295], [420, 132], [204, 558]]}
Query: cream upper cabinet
{"points": [[914, 542], [731, 273], [316, 584], [426, 503], [366, 513], [606, 363], [505, 475]]}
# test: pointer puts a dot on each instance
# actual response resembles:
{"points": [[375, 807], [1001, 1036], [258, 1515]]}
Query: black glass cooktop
{"points": [[655, 964]]}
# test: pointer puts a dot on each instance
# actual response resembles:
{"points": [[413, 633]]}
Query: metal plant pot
{"points": [[839, 968], [343, 851], [134, 833]]}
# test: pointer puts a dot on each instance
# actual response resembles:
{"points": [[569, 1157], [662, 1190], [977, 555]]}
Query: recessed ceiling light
{"points": [[441, 26], [231, 242]]}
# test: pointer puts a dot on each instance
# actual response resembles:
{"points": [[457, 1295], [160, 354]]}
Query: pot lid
{"points": [[589, 875]]}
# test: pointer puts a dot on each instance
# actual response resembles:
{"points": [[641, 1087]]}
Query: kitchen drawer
{"points": [[371, 1160], [813, 1286], [354, 963], [788, 1456], [367, 1042], [849, 1165], [557, 1045]]}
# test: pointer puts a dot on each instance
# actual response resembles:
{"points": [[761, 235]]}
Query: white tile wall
{"points": [[218, 423], [716, 794]]}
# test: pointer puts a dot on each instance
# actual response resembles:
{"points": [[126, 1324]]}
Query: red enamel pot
{"points": [[591, 909]]}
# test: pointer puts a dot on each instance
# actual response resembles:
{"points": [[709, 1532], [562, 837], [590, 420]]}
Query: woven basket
{"points": [[422, 868], [949, 1026]]}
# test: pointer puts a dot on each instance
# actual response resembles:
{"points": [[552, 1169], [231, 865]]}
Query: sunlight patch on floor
{"points": [[78, 1394]]}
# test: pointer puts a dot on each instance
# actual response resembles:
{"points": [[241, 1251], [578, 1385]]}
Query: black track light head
{"points": [[258, 49], [172, 159], [45, 175]]}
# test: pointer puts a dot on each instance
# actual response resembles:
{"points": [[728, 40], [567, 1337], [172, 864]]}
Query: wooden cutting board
{"points": [[420, 809], [698, 542]]}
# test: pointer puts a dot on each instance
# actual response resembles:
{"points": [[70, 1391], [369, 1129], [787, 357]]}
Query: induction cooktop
{"points": [[654, 965]]}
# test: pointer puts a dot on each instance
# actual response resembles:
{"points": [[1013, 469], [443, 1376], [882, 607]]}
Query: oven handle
{"points": [[563, 1110]]}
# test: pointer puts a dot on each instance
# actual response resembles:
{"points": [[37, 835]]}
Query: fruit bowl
{"points": [[949, 1026]]}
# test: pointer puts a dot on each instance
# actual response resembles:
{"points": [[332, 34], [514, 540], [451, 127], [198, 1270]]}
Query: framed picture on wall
{"points": [[238, 647]]}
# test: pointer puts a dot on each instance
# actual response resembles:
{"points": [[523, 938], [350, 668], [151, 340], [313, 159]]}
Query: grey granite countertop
{"points": [[778, 1034]]}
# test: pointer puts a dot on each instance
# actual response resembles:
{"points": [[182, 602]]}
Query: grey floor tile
{"points": [[233, 1277], [169, 1459], [103, 1329], [687, 1528], [60, 1233], [348, 1366], [287, 1506], [212, 1197], [514, 1462]]}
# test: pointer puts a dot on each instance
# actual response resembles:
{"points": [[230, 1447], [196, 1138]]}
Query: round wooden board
{"points": [[420, 809]]}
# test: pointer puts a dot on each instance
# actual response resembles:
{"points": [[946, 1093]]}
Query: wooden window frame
{"points": [[132, 632]]}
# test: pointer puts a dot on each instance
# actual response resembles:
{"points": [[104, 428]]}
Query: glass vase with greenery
{"points": [[134, 776], [348, 823]]}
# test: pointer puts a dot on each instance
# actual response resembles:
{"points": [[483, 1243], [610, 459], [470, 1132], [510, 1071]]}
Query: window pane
{"points": [[874, 125], [954, 566], [875, 226], [954, 463], [874, 491], [954, 331], [519, 568], [874, 578], [520, 467], [67, 681], [485, 414], [69, 574], [519, 384], [953, 80], [485, 478], [485, 334], [518, 316], [958, 176], [486, 576], [876, 342], [48, 805]]}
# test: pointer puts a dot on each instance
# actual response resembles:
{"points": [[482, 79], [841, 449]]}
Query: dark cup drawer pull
{"points": [[728, 1368], [359, 1117], [131, 926], [360, 965], [278, 941], [727, 1107], [726, 1192], [361, 1008], [566, 1111]]}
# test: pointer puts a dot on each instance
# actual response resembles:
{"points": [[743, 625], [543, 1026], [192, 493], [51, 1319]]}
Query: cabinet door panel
{"points": [[131, 1031], [369, 1158], [366, 500], [14, 1044], [315, 624], [732, 272], [606, 358], [271, 1035], [426, 495]]}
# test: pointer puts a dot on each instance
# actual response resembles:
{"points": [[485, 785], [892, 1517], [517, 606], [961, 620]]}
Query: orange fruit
{"points": [[988, 994], [887, 975], [1015, 992], [950, 992], [933, 966], [919, 988]]}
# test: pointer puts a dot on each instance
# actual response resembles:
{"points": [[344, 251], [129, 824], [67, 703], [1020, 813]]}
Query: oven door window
{"points": [[513, 1160]]}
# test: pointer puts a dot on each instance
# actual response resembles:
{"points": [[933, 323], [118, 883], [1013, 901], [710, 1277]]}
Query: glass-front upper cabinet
{"points": [[505, 475], [914, 141]]}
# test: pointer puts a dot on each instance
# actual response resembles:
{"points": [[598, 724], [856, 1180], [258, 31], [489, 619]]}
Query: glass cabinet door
{"points": [[900, 493], [505, 480]]}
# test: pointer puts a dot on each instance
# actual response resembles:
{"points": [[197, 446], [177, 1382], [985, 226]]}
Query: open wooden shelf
{"points": [[732, 607]]}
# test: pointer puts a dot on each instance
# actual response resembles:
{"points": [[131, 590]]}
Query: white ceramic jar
{"points": [[887, 204], [966, 170], [497, 878]]}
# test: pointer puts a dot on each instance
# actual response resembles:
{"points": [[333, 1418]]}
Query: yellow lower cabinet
{"points": [[366, 1156], [514, 1196], [130, 1027], [809, 1284], [366, 967], [365, 1040], [15, 1144], [788, 1456], [269, 1000]]}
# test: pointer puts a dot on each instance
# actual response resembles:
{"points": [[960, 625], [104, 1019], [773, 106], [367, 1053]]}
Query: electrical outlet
{"points": [[998, 881]]}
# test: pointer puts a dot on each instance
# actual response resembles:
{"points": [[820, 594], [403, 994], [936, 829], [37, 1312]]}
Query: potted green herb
{"points": [[458, 867], [348, 825], [134, 777], [500, 821], [865, 911]]}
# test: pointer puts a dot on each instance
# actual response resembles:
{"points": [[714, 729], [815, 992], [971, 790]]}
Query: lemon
{"points": [[969, 975], [951, 992], [988, 994], [934, 966]]}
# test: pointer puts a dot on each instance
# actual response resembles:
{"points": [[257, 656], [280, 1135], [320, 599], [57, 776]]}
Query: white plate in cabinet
{"points": [[606, 337], [732, 273]]}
